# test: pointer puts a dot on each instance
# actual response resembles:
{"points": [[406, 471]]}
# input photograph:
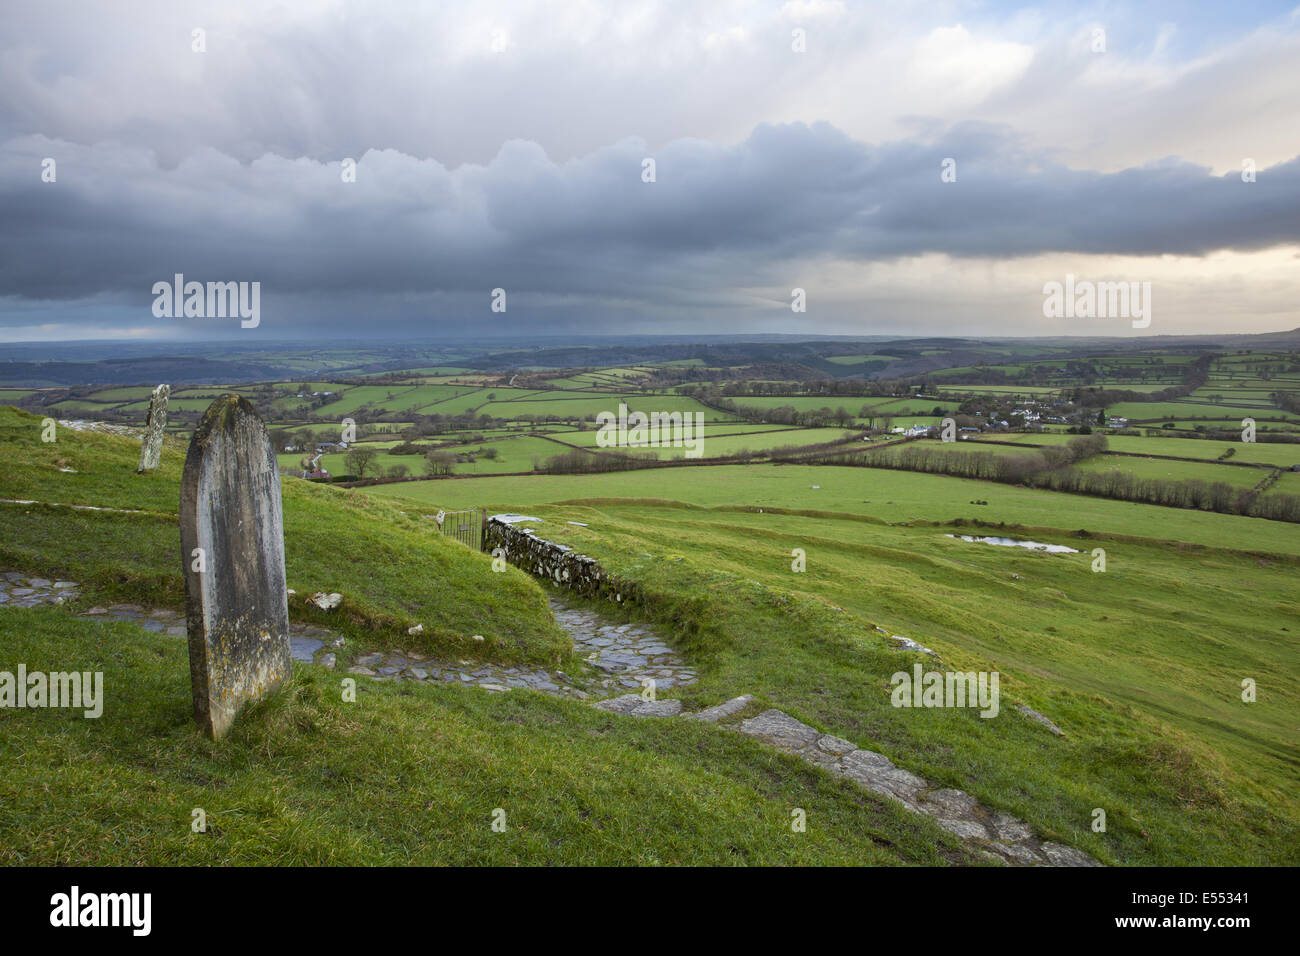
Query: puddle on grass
{"points": [[1017, 543]]}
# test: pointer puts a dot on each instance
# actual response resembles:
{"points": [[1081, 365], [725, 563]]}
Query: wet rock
{"points": [[711, 715], [877, 772], [780, 730], [1009, 829], [1018, 854], [964, 828], [1039, 718], [948, 803], [1060, 855], [907, 644], [326, 602], [836, 746], [634, 705]]}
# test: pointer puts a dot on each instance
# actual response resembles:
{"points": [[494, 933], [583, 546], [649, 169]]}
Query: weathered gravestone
{"points": [[232, 548], [151, 448]]}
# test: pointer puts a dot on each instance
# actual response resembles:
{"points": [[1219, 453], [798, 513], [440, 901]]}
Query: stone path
{"points": [[617, 657], [21, 590], [992, 832]]}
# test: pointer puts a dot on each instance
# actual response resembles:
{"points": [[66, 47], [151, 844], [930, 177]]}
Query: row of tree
{"points": [[1052, 469]]}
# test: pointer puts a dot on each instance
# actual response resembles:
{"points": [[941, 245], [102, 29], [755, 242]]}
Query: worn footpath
{"points": [[620, 657]]}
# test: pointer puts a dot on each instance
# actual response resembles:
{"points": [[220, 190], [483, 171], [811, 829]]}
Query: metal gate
{"points": [[465, 526]]}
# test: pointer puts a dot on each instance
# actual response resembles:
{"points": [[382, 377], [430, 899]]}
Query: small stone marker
{"points": [[151, 448], [237, 610]]}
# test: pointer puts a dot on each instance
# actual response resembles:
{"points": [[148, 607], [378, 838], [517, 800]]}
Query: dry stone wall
{"points": [[512, 537]]}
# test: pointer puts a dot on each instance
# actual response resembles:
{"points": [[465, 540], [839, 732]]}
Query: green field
{"points": [[810, 403], [1036, 390], [1177, 470], [902, 407], [1163, 411], [1268, 453], [891, 496], [729, 444]]}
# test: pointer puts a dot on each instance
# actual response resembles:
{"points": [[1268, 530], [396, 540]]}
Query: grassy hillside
{"points": [[391, 567], [1141, 665], [405, 775]]}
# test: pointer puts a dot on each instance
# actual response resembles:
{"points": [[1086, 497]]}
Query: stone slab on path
{"points": [[634, 705], [711, 715], [958, 812]]}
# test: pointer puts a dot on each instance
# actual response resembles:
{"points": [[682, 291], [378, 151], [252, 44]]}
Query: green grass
{"points": [[141, 408], [874, 492], [1269, 453], [406, 775], [515, 452], [579, 405], [1177, 470], [122, 394], [724, 444], [813, 403], [1142, 665], [857, 359], [392, 568], [1036, 390], [902, 407], [1173, 411]]}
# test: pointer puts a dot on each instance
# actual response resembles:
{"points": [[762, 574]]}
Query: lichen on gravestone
{"points": [[232, 553]]}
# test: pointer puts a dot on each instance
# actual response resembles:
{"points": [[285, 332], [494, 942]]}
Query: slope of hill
{"points": [[393, 570], [404, 774]]}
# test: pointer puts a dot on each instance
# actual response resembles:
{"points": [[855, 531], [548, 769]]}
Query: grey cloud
{"points": [[719, 218]]}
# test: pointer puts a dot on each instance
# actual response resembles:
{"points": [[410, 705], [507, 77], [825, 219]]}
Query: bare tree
{"points": [[439, 462], [360, 460]]}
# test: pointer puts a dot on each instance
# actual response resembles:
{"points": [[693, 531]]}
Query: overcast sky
{"points": [[503, 145]]}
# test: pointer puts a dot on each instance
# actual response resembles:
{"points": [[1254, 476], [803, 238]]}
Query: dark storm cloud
{"points": [[718, 218]]}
